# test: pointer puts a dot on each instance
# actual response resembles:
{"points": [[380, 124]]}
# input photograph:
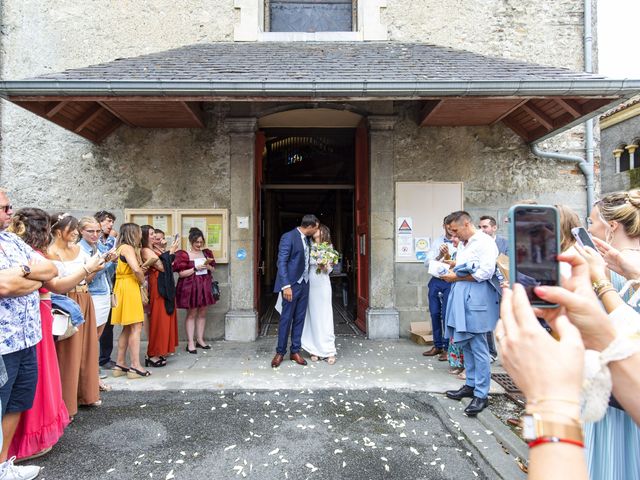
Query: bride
{"points": [[317, 336]]}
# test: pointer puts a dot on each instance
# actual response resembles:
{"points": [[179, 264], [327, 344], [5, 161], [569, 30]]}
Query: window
{"points": [[310, 16]]}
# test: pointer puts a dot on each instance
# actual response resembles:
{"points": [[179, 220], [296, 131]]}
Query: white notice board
{"points": [[420, 208]]}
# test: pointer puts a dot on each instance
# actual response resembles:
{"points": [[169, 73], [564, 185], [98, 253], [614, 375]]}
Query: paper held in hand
{"points": [[438, 269], [197, 262]]}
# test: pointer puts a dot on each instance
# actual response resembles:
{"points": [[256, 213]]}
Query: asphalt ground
{"points": [[284, 434]]}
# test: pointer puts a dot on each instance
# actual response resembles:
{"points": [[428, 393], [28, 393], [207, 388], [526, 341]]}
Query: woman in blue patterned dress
{"points": [[613, 443]]}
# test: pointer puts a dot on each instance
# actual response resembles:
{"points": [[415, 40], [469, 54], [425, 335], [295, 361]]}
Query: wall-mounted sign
{"points": [[241, 254]]}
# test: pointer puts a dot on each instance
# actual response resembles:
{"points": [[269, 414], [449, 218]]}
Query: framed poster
{"points": [[162, 219], [214, 223]]}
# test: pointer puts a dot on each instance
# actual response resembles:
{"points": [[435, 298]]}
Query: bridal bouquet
{"points": [[325, 256]]}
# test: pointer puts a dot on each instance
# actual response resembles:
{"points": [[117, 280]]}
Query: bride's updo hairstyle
{"points": [[624, 208], [325, 233]]}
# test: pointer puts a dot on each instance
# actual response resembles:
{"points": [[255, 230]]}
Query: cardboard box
{"points": [[421, 333]]}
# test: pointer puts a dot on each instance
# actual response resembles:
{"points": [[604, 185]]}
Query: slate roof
{"points": [[317, 61]]}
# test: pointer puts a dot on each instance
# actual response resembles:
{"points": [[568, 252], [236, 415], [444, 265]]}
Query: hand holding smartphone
{"points": [[534, 247], [583, 238]]}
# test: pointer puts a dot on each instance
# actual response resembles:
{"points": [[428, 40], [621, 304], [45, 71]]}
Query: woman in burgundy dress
{"points": [[193, 291]]}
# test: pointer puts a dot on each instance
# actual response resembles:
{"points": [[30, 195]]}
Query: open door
{"points": [[362, 224], [258, 266]]}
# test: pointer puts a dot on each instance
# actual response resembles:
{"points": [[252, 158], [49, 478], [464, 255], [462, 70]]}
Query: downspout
{"points": [[586, 165]]}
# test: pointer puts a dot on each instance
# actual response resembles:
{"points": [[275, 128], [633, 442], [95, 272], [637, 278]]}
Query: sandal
{"points": [[104, 387], [134, 373], [331, 360], [314, 358], [119, 371], [462, 375], [456, 371], [157, 364]]}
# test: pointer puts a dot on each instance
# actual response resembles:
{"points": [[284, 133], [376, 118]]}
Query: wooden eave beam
{"points": [[195, 112], [116, 114], [509, 112], [538, 114], [570, 106], [51, 112], [519, 129], [108, 130], [430, 107], [88, 117]]}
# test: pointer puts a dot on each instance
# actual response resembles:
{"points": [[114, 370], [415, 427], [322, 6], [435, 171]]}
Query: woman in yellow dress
{"points": [[128, 311]]}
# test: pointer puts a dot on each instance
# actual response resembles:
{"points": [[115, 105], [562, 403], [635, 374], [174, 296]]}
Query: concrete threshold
{"points": [[361, 364]]}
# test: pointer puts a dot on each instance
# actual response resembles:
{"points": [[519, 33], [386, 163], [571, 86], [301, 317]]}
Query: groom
{"points": [[293, 282]]}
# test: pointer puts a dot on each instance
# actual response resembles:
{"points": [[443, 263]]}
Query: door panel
{"points": [[258, 267], [362, 225]]}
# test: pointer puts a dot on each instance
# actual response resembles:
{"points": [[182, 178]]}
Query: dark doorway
{"points": [[309, 171]]}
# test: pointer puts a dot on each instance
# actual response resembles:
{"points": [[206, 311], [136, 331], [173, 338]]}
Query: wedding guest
{"points": [[106, 243], [568, 221], [163, 324], [472, 308], [438, 295], [78, 354], [99, 286], [193, 291], [318, 336], [41, 427], [489, 226], [128, 312], [22, 272]]}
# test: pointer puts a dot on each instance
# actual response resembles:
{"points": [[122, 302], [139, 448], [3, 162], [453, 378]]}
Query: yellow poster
{"points": [[214, 236]]}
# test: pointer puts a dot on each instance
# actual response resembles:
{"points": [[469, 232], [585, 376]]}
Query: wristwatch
{"points": [[26, 270], [534, 426]]}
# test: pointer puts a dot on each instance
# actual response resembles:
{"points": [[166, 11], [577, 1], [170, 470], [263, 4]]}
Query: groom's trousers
{"points": [[292, 318]]}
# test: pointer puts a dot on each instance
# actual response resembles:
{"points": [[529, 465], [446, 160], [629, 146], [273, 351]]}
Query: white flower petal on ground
{"points": [[413, 450], [170, 475], [273, 452], [230, 447]]}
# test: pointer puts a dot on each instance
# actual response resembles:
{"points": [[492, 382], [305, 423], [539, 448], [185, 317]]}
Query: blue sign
{"points": [[241, 254], [422, 256]]}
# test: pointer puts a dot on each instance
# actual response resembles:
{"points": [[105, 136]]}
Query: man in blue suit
{"points": [[293, 282]]}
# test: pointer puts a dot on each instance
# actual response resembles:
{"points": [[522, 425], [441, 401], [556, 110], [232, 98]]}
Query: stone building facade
{"points": [[619, 141], [43, 164]]}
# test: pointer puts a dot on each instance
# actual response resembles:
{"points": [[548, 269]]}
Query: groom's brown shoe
{"points": [[296, 357], [277, 360]]}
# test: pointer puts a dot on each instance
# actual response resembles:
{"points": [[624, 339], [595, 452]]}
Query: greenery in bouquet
{"points": [[325, 256]]}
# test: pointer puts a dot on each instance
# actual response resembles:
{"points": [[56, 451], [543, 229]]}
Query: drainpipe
{"points": [[586, 165]]}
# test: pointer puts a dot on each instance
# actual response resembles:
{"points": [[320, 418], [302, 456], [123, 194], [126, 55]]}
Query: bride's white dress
{"points": [[317, 335]]}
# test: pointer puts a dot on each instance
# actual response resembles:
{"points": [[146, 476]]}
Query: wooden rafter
{"points": [[89, 116], [538, 114], [519, 129], [509, 112], [570, 106], [51, 112], [115, 114], [430, 107], [195, 112], [108, 130]]}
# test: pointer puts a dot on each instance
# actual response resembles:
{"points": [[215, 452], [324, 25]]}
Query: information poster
{"points": [[214, 236], [193, 222], [161, 222]]}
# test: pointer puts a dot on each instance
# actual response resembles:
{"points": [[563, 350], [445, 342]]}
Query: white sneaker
{"points": [[9, 471]]}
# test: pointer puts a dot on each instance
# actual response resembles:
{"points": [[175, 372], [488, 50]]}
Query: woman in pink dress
{"points": [[193, 290], [42, 426]]}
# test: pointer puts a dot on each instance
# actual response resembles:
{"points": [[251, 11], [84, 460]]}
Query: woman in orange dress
{"points": [[163, 324]]}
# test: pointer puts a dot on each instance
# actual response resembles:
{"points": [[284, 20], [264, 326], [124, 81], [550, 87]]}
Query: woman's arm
{"points": [[65, 284], [147, 253], [129, 254]]}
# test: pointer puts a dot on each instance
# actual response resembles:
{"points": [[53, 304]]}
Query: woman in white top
{"points": [[318, 337]]}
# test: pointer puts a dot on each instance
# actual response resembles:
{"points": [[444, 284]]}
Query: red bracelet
{"points": [[541, 440]]}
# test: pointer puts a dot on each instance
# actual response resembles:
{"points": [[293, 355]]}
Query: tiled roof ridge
{"points": [[623, 106]]}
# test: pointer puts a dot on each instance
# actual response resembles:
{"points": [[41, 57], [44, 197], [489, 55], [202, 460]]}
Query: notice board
{"points": [[420, 208], [214, 223]]}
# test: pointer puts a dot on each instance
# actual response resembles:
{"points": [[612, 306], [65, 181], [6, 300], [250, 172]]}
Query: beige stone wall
{"points": [[549, 33]]}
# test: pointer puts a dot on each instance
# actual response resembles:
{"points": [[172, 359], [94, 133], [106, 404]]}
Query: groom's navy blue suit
{"points": [[293, 270]]}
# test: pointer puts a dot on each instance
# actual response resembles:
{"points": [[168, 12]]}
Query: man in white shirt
{"points": [[474, 306]]}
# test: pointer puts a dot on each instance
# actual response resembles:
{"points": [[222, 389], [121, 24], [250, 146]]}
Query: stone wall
{"points": [[623, 133], [497, 169]]}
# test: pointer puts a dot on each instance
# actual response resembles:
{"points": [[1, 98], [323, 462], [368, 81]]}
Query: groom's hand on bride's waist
{"points": [[287, 294]]}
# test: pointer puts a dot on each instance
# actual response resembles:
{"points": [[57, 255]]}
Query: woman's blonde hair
{"points": [[84, 221], [568, 220], [624, 208]]}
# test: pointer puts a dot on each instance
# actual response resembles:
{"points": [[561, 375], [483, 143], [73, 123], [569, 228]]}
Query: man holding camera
{"points": [[474, 306]]}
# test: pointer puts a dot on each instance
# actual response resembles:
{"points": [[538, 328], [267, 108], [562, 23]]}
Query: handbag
{"points": [[144, 294], [215, 290], [62, 326]]}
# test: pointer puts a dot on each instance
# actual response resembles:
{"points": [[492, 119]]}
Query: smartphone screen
{"points": [[583, 237], [535, 230]]}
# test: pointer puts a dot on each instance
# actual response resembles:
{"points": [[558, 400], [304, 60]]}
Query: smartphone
{"points": [[176, 237], [583, 238], [534, 236]]}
